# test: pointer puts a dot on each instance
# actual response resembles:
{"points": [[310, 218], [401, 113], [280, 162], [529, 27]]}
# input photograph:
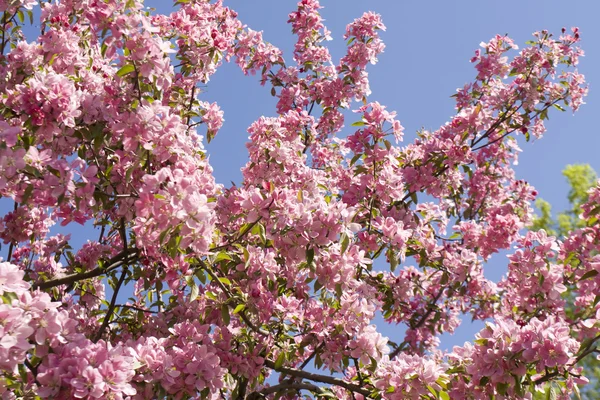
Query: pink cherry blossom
{"points": [[235, 290]]}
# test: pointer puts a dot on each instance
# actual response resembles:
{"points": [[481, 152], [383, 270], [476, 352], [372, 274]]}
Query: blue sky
{"points": [[429, 44]]}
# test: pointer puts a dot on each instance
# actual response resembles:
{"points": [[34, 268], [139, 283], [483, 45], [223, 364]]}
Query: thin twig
{"points": [[588, 350], [418, 324], [297, 386], [111, 307], [230, 296], [238, 238], [313, 354], [114, 263], [12, 243], [192, 97]]}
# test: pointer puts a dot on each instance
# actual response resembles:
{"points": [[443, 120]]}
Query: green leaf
{"points": [[222, 256], [558, 107], [239, 308], [360, 170], [422, 258], [201, 276], [317, 286], [502, 388], [161, 237], [225, 314], [589, 274], [211, 295], [444, 396], [413, 197], [432, 390], [194, 290], [327, 394], [280, 360], [9, 297], [551, 393], [27, 194], [310, 255], [345, 243], [125, 69], [338, 290], [359, 123], [51, 60], [262, 233], [225, 281], [444, 279], [128, 174], [210, 135], [519, 387], [393, 259]]}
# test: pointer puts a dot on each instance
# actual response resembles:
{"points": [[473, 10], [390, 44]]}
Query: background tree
{"points": [[581, 178]]}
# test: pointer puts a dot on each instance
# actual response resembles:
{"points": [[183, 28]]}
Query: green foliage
{"points": [[544, 221], [581, 178]]}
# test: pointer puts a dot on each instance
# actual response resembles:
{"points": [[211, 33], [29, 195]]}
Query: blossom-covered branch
{"points": [[102, 123]]}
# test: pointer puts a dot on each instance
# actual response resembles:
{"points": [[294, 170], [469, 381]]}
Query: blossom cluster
{"points": [[505, 352]]}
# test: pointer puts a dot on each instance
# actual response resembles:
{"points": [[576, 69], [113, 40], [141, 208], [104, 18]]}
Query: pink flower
{"points": [[212, 116], [9, 133], [88, 383], [11, 279], [369, 344]]}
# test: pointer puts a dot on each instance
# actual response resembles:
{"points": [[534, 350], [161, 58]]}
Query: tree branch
{"points": [[124, 257], [320, 378]]}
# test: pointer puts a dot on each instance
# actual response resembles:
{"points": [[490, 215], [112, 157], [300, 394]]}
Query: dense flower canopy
{"points": [[102, 123]]}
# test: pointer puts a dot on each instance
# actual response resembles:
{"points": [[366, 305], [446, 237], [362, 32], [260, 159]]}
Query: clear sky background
{"points": [[429, 44]]}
